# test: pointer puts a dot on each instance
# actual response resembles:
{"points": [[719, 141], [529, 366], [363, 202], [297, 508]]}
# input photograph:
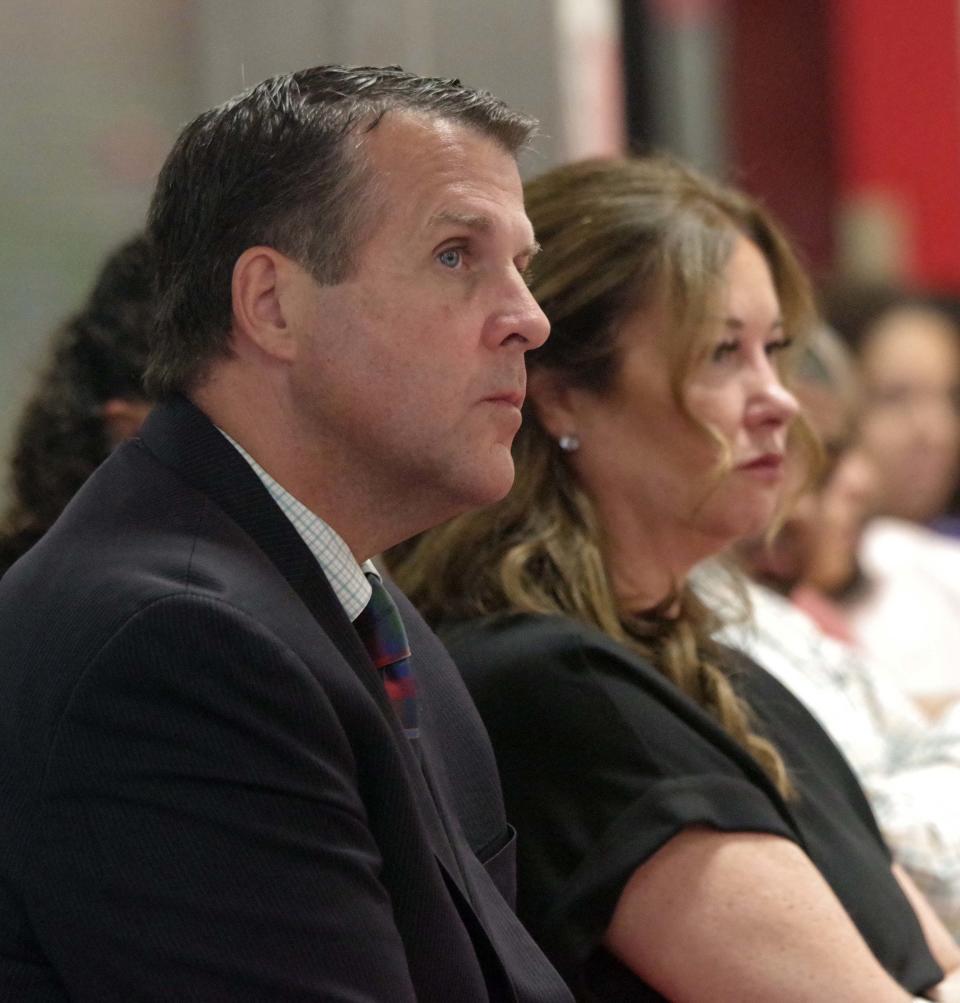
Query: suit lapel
{"points": [[184, 439]]}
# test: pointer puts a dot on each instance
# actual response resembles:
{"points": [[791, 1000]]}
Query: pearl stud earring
{"points": [[569, 443]]}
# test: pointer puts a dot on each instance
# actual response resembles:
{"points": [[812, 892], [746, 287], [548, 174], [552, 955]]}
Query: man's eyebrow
{"points": [[470, 220], [475, 221]]}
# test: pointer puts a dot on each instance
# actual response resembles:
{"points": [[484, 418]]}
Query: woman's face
{"points": [[639, 451], [910, 365]]}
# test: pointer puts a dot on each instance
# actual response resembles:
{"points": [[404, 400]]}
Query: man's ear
{"points": [[553, 402], [262, 280]]}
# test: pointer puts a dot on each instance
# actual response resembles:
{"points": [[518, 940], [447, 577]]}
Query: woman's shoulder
{"points": [[576, 673], [543, 642], [511, 625]]}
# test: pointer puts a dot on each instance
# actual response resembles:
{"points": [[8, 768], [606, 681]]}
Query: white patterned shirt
{"points": [[347, 578], [907, 621], [909, 766]]}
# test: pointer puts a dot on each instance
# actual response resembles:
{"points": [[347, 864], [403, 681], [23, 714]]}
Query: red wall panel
{"points": [[780, 115], [897, 121]]}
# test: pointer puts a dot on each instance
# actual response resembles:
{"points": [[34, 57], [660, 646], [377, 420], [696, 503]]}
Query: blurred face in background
{"points": [[123, 418], [818, 543], [910, 427]]}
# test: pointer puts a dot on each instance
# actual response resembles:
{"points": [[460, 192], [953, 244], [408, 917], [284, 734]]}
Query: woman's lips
{"points": [[768, 466]]}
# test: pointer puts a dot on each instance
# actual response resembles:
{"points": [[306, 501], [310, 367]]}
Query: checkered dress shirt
{"points": [[345, 575]]}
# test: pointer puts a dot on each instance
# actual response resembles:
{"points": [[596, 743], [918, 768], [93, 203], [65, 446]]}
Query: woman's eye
{"points": [[451, 257], [725, 348], [781, 345]]}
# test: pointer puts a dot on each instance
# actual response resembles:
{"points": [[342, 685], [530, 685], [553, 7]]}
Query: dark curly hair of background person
{"points": [[61, 437]]}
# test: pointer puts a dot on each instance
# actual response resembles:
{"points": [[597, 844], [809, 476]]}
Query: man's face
{"points": [[414, 372]]}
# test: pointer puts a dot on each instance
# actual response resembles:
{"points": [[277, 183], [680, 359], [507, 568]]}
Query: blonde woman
{"points": [[687, 830]]}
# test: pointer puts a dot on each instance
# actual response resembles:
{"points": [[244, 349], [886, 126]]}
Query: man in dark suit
{"points": [[223, 774]]}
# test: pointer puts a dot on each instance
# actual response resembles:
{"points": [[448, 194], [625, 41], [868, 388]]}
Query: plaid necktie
{"points": [[383, 634]]}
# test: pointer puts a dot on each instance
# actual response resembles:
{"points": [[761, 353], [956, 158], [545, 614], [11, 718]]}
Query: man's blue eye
{"points": [[451, 257]]}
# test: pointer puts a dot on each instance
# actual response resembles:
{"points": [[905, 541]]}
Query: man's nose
{"points": [[522, 322]]}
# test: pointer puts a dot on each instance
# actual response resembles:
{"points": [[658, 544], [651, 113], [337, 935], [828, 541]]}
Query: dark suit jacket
{"points": [[206, 795]]}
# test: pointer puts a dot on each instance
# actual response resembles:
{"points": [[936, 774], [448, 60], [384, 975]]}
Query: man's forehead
{"points": [[409, 150], [434, 174]]}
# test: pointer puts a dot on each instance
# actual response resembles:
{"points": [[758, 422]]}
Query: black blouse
{"points": [[603, 760]]}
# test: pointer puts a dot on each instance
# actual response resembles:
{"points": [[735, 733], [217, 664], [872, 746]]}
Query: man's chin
{"points": [[491, 483]]}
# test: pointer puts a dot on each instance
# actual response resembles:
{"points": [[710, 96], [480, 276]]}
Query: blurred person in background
{"points": [[907, 351], [686, 829], [88, 398], [906, 765], [814, 554], [903, 610]]}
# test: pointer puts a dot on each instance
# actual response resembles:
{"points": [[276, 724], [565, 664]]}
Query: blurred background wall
{"points": [[844, 115], [94, 91]]}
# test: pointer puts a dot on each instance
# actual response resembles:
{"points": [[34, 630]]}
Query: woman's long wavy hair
{"points": [[61, 437], [618, 236]]}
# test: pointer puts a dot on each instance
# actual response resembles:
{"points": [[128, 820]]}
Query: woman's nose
{"points": [[772, 402]]}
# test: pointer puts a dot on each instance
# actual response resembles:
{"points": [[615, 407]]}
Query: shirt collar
{"points": [[347, 578]]}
